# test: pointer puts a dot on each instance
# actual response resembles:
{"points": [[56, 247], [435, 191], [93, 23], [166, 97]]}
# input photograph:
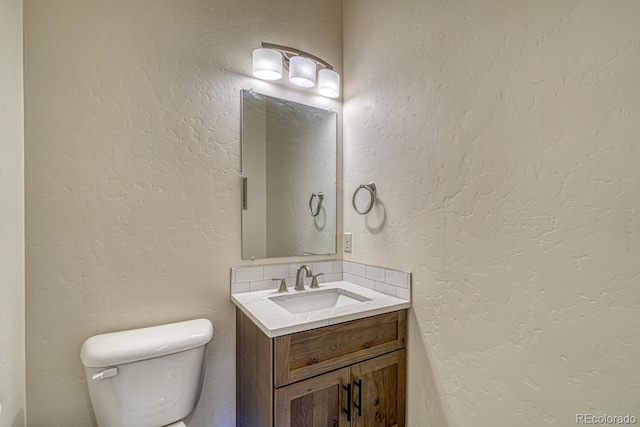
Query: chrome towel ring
{"points": [[320, 197], [371, 188]]}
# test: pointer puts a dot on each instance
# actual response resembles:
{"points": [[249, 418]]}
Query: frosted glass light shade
{"points": [[329, 83], [302, 71], [267, 64]]}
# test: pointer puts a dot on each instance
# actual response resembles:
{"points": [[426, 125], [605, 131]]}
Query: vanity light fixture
{"points": [[267, 64], [270, 60], [302, 71], [329, 83]]}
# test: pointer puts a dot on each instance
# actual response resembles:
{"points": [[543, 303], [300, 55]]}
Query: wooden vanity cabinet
{"points": [[349, 374]]}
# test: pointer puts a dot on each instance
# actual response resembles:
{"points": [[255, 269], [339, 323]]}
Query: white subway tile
{"points": [[397, 278], [367, 283], [246, 279], [263, 285], [403, 293], [331, 277], [337, 266], [358, 269], [278, 271], [375, 273], [346, 267], [322, 267], [249, 274], [350, 278], [385, 289], [237, 288]]}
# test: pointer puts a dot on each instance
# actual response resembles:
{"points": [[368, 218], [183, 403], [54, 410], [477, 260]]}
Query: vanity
{"points": [[310, 356], [331, 366]]}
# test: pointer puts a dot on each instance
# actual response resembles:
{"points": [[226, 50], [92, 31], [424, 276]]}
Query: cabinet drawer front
{"points": [[307, 354]]}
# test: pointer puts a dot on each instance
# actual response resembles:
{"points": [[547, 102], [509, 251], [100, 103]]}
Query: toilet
{"points": [[148, 377]]}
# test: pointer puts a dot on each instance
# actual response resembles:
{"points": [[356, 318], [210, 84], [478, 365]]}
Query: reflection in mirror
{"points": [[289, 178]]}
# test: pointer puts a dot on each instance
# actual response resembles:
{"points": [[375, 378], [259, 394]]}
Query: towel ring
{"points": [[371, 188], [320, 197]]}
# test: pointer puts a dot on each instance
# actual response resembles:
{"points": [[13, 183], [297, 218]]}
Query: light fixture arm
{"points": [[288, 52]]}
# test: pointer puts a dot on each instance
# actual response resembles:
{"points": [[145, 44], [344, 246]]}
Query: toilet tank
{"points": [[147, 377]]}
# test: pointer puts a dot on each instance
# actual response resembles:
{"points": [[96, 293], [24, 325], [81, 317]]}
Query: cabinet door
{"points": [[316, 402], [379, 391]]}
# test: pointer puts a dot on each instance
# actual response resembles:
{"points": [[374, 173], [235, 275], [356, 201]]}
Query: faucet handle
{"points": [[314, 281], [283, 285]]}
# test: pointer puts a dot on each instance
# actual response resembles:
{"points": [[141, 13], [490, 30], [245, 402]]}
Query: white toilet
{"points": [[149, 377]]}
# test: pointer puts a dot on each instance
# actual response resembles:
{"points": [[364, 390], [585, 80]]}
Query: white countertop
{"points": [[275, 321]]}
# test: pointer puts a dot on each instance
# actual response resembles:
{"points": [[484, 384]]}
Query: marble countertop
{"points": [[275, 321]]}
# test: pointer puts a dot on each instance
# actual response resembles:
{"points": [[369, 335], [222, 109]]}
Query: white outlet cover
{"points": [[347, 242]]}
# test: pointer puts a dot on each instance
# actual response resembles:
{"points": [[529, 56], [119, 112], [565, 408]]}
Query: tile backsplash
{"points": [[256, 278], [392, 282]]}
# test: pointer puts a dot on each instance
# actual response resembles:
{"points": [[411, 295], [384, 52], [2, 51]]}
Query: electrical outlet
{"points": [[347, 242]]}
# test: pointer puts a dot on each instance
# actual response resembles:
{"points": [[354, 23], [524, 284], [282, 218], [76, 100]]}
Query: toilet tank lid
{"points": [[145, 343]]}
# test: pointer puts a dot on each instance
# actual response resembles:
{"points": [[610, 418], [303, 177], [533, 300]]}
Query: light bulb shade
{"points": [[267, 64], [302, 71], [329, 83]]}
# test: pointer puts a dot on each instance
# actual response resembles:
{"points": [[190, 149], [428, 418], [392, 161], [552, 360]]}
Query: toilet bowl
{"points": [[148, 377]]}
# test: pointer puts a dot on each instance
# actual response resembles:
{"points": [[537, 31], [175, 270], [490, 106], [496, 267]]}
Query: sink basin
{"points": [[306, 301]]}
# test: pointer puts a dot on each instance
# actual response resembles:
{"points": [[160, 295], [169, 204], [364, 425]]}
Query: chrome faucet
{"points": [[300, 279]]}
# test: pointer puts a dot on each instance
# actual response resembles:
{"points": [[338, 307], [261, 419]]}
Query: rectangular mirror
{"points": [[289, 169]]}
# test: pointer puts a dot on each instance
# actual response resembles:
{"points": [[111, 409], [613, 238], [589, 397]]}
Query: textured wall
{"points": [[132, 175], [503, 137], [12, 379]]}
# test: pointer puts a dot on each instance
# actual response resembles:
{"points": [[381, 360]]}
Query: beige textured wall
{"points": [[132, 185], [12, 363], [503, 137]]}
